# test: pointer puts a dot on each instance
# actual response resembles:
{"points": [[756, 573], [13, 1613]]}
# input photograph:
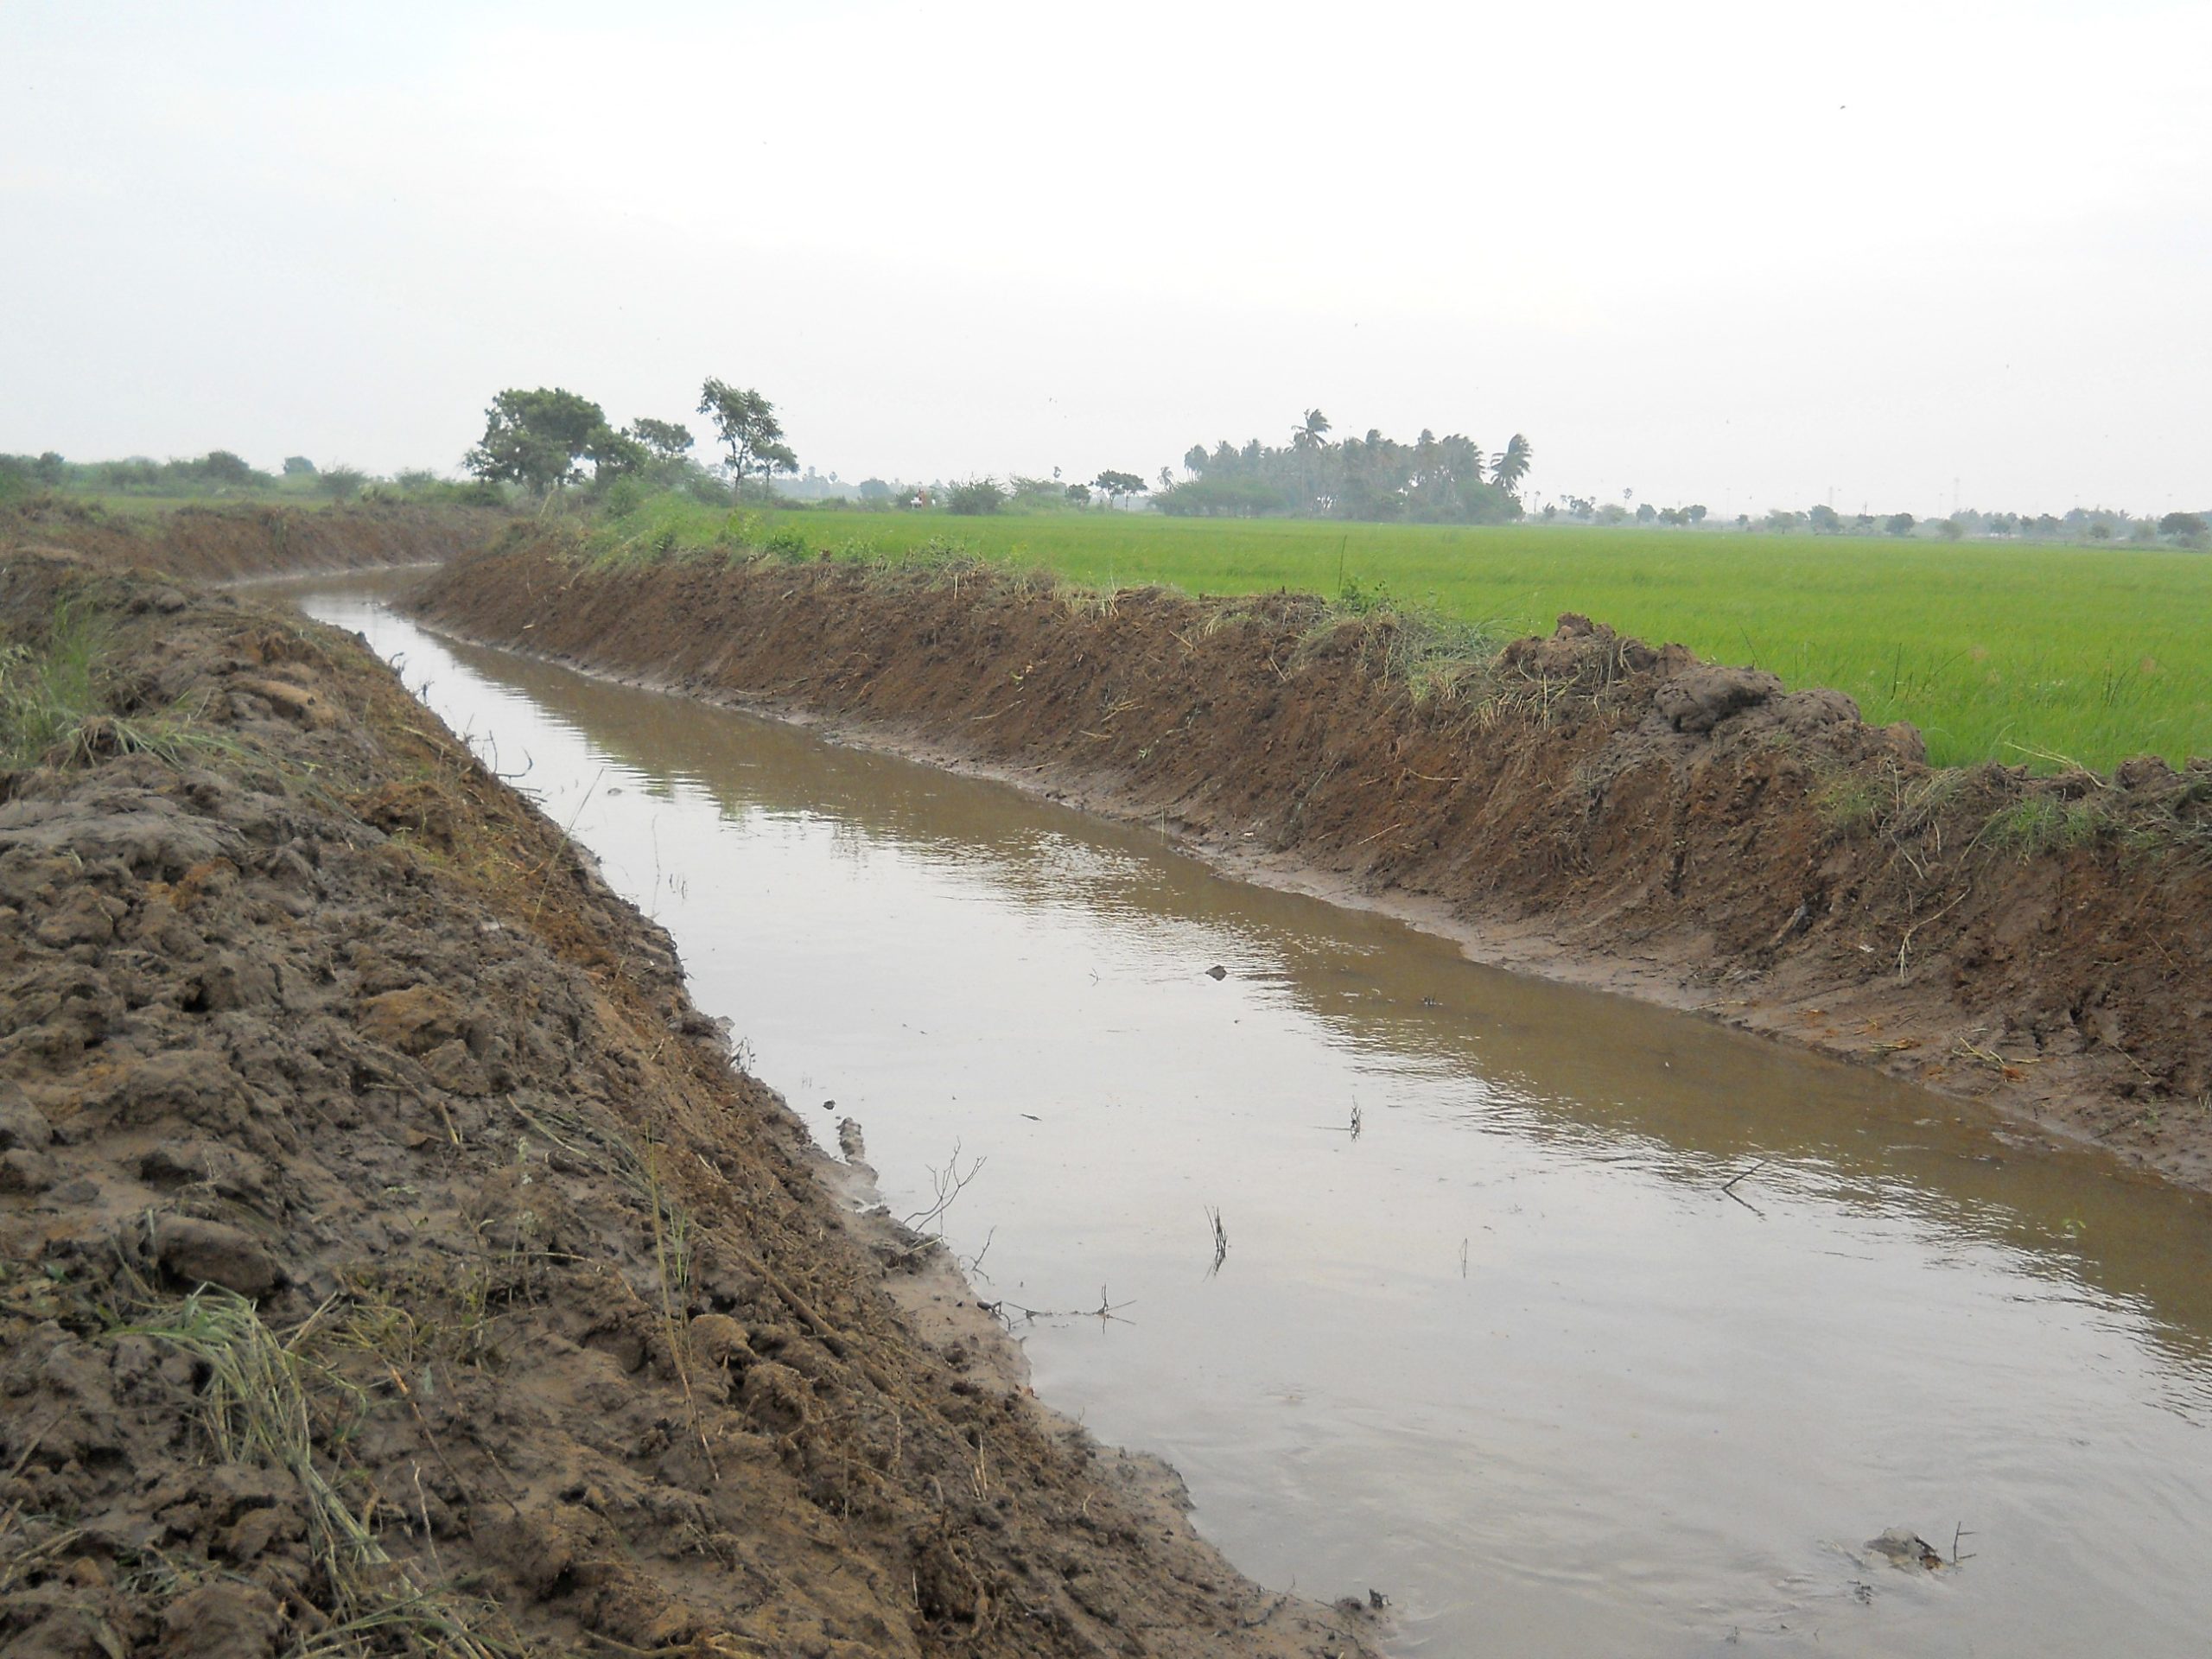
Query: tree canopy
{"points": [[746, 424], [1118, 484], [664, 439], [538, 440], [1432, 479]]}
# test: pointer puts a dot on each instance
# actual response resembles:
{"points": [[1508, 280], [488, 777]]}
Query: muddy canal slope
{"points": [[222, 543], [387, 1241], [1587, 806]]}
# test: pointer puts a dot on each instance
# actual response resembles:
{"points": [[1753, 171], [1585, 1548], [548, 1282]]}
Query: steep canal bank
{"points": [[1586, 807]]}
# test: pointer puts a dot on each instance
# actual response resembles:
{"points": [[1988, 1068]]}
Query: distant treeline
{"points": [[221, 475], [1372, 479], [2081, 524]]}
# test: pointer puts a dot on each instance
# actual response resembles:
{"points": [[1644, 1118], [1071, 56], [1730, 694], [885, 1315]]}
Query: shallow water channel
{"points": [[1514, 1352]]}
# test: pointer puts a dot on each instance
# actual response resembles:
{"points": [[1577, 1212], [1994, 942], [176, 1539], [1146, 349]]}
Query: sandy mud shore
{"points": [[1588, 807], [392, 1261]]}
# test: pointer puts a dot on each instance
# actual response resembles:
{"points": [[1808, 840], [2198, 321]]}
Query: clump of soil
{"points": [[218, 544], [392, 1259], [1585, 804]]}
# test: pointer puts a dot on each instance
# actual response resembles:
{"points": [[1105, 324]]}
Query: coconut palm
{"points": [[1512, 464]]}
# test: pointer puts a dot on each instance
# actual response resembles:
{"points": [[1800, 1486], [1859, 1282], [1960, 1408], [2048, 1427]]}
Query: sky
{"points": [[1888, 256]]}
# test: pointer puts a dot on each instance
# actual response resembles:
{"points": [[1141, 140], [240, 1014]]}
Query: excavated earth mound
{"points": [[1585, 805], [391, 1261], [220, 543]]}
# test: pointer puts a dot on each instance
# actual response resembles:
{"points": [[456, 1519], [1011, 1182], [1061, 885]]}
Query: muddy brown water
{"points": [[1518, 1353]]}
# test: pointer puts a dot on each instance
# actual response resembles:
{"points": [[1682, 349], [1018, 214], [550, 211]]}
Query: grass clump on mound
{"points": [[56, 707], [255, 1409]]}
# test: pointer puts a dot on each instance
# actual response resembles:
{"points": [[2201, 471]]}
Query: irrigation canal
{"points": [[1603, 1330]]}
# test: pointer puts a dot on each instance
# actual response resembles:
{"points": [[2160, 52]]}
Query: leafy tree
{"points": [[1826, 520], [975, 496], [748, 427], [1646, 512], [341, 482], [537, 438], [664, 439], [1080, 494], [1119, 485], [1695, 512], [298, 467], [2182, 525], [874, 489], [1899, 524], [221, 467], [1434, 479], [614, 454]]}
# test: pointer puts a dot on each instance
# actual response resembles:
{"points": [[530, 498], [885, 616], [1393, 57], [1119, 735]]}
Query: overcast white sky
{"points": [[1741, 254]]}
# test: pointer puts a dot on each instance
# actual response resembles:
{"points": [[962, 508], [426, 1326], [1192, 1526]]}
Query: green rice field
{"points": [[2025, 653]]}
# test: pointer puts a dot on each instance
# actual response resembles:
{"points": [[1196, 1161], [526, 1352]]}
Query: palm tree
{"points": [[1308, 439], [1512, 464]]}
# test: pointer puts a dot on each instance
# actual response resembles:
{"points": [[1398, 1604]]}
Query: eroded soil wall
{"points": [[1587, 806], [392, 1261], [220, 543]]}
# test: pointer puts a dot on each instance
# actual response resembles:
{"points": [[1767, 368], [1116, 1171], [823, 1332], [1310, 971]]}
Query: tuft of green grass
{"points": [[254, 1409], [53, 706], [2038, 826], [47, 694]]}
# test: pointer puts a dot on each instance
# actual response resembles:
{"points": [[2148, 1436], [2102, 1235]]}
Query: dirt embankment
{"points": [[223, 543], [1587, 806], [392, 1262]]}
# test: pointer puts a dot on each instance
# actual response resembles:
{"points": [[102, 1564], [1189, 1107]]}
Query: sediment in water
{"points": [[1583, 805], [392, 1259]]}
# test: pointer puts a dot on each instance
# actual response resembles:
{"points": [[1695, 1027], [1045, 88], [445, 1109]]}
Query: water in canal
{"points": [[1494, 1334]]}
